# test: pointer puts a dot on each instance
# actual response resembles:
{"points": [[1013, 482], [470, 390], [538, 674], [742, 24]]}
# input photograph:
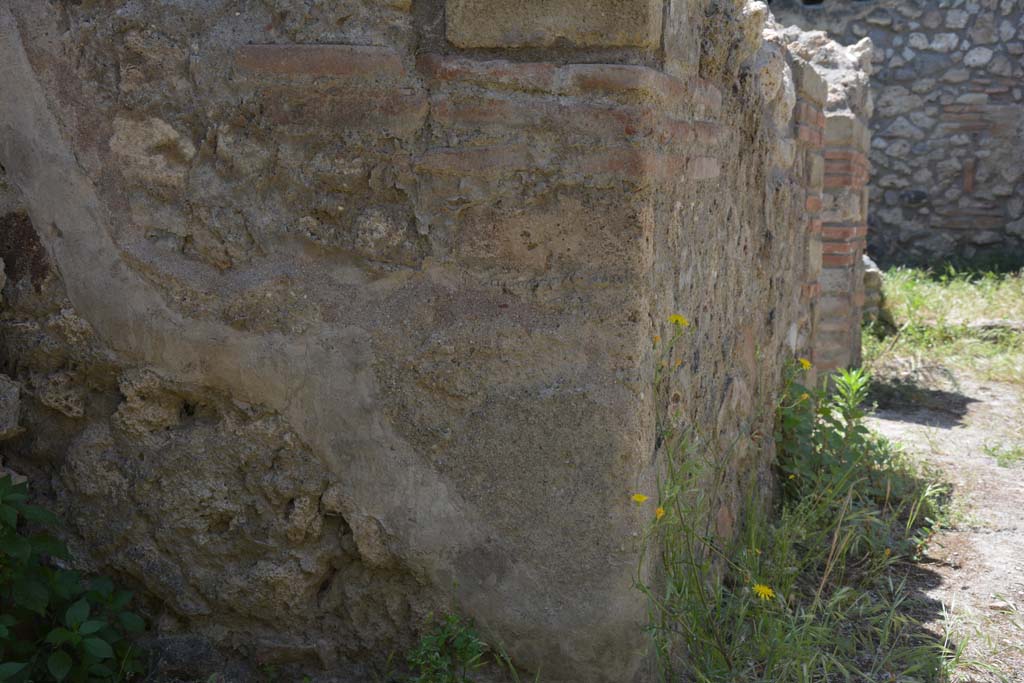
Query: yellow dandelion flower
{"points": [[639, 498], [792, 476], [659, 513], [888, 552], [764, 592], [679, 320], [804, 397], [805, 364]]}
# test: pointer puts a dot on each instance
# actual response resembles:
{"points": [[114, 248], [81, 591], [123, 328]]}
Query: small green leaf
{"points": [[31, 595], [98, 648], [120, 599], [91, 627], [9, 669], [59, 665], [15, 546], [111, 634], [59, 636], [76, 614], [38, 515], [9, 516], [102, 585], [101, 670], [132, 622], [45, 544], [66, 584]]}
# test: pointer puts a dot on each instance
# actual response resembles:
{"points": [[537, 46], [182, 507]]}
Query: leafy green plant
{"points": [[54, 624], [825, 447], [448, 653]]}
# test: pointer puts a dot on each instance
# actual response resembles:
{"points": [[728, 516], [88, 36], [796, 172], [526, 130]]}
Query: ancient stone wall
{"points": [[327, 316], [948, 126], [845, 199]]}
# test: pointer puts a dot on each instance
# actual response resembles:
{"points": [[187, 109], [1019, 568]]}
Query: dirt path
{"points": [[975, 567]]}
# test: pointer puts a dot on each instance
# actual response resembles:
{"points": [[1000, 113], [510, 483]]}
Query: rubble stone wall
{"points": [[948, 128], [326, 316]]}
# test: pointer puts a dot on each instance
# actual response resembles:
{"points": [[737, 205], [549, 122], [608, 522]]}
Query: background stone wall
{"points": [[326, 316], [948, 128]]}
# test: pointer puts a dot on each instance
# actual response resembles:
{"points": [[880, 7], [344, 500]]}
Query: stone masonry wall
{"points": [[948, 127], [327, 316], [844, 202]]}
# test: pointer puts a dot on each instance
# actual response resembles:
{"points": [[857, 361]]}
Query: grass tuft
{"points": [[964, 319], [1005, 456], [813, 590]]}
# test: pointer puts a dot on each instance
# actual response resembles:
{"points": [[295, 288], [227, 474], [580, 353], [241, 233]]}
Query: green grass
{"points": [[1005, 456], [959, 319], [451, 650], [813, 590], [950, 296]]}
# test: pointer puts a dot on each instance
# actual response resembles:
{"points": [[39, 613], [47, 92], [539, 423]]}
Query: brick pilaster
{"points": [[844, 232]]}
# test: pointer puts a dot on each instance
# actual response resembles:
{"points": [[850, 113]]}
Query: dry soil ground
{"points": [[972, 430]]}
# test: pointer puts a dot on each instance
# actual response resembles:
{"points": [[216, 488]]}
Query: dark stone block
{"points": [[913, 197]]}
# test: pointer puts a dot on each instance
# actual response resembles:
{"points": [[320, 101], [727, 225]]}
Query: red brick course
{"points": [[809, 134], [839, 233], [840, 247], [840, 180], [810, 291], [839, 260]]}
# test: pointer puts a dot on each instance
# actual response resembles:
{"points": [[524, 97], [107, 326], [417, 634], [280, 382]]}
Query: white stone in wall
{"points": [[1006, 31], [899, 149], [1015, 207], [944, 42], [918, 41], [902, 128], [979, 56], [896, 100], [923, 85], [1001, 66], [956, 18]]}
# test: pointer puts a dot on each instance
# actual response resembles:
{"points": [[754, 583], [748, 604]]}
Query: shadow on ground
{"points": [[909, 399]]}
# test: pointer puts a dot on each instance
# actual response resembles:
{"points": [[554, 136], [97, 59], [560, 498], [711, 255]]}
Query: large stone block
{"points": [[543, 23]]}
